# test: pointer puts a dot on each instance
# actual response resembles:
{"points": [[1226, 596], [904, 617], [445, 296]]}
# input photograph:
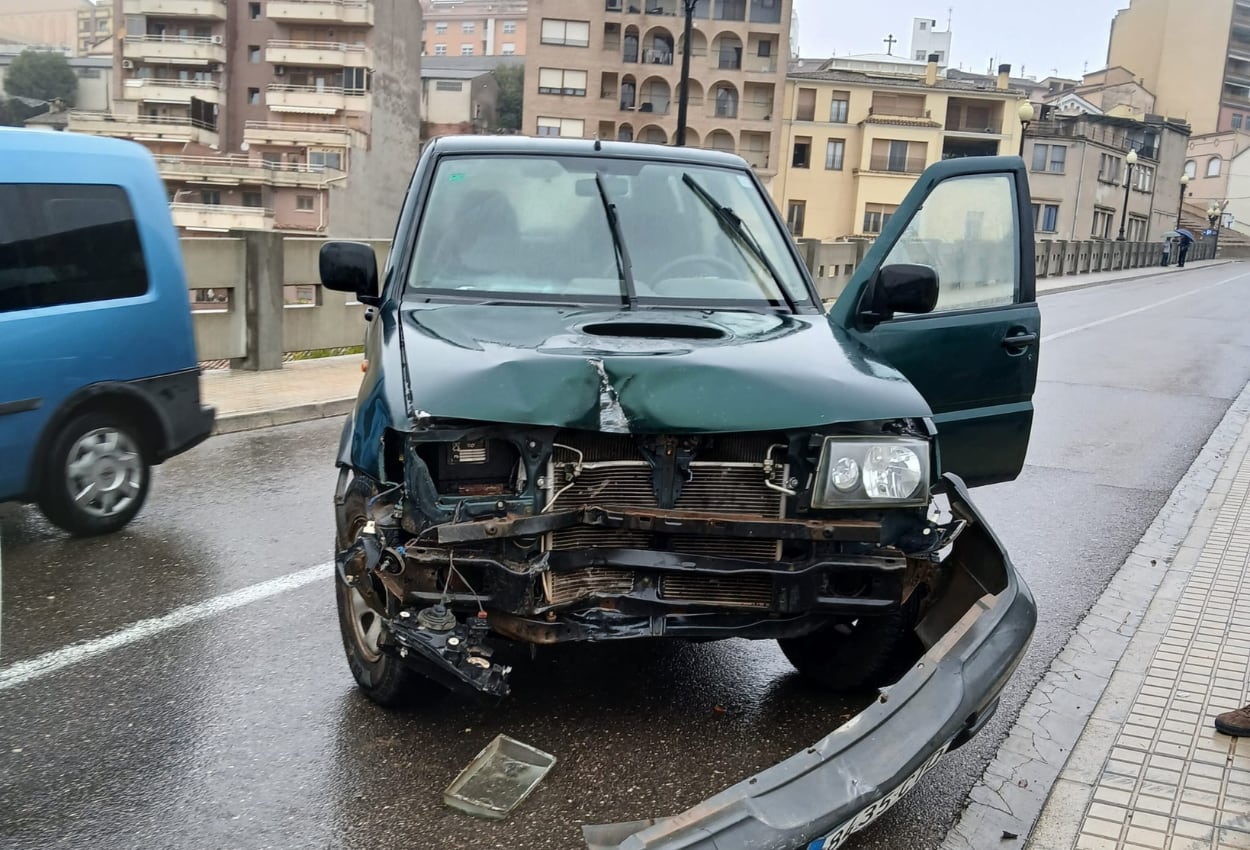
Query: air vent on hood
{"points": [[654, 330]]}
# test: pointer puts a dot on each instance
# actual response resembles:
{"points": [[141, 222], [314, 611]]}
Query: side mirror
{"points": [[900, 288], [350, 267]]}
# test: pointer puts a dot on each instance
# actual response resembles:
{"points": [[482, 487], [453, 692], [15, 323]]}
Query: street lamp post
{"points": [[1131, 160], [1026, 118], [1214, 214], [1181, 205], [683, 101]]}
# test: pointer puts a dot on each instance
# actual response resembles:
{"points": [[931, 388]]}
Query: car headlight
{"points": [[864, 471]]}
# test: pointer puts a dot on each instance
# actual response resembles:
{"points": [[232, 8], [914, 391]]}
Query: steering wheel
{"points": [[666, 272]]}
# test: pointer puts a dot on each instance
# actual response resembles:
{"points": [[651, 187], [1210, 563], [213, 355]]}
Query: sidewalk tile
{"points": [[1170, 780]]}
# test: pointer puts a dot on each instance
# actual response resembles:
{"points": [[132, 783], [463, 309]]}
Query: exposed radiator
{"points": [[721, 591], [564, 588], [733, 483]]}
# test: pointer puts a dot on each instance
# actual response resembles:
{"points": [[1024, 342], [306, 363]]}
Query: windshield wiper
{"points": [[629, 291], [737, 228]]}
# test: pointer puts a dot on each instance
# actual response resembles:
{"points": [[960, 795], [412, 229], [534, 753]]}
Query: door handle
{"points": [[1019, 340]]}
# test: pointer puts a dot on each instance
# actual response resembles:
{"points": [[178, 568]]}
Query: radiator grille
{"points": [[564, 588], [720, 547], [721, 591], [728, 486]]}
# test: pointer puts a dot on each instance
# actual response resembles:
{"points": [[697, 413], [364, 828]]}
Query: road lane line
{"points": [[1125, 315], [58, 659]]}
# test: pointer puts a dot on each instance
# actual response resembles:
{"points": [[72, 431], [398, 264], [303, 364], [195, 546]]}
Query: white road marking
{"points": [[1126, 314], [51, 662]]}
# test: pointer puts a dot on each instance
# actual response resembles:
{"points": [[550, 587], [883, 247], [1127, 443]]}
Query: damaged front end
{"points": [[548, 535], [976, 636]]}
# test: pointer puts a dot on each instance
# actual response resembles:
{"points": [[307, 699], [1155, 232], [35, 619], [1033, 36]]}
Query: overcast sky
{"points": [[1062, 34]]}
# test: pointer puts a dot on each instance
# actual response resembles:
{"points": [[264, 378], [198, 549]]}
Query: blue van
{"points": [[98, 373]]}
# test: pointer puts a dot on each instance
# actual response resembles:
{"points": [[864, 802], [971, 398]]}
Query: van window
{"points": [[67, 244]]}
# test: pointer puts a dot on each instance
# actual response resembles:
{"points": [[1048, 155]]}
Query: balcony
{"points": [[152, 90], [239, 171], [759, 65], [220, 218], [899, 110], [884, 163], [318, 53], [757, 110], [145, 128], [175, 50], [321, 11], [212, 9], [298, 135], [316, 100]]}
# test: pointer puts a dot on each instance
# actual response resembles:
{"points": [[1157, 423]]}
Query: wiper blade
{"points": [[737, 228], [629, 291]]}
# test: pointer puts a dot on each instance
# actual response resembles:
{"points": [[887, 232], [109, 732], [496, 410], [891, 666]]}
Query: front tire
{"points": [[855, 654], [382, 677], [96, 476]]}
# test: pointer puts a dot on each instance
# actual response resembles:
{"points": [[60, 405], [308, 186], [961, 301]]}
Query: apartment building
{"points": [[1194, 57], [95, 24], [46, 23], [289, 115], [855, 142], [474, 27], [1078, 169], [612, 69]]}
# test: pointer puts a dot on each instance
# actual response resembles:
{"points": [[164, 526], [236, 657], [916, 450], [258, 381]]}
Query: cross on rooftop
{"points": [[889, 44]]}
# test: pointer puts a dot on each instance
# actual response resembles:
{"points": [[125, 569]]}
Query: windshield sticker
{"points": [[456, 177]]}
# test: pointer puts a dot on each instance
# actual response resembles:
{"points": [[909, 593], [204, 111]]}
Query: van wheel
{"points": [[96, 476], [856, 654]]}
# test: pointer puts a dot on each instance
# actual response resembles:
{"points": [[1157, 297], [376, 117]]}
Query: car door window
{"points": [[967, 232]]}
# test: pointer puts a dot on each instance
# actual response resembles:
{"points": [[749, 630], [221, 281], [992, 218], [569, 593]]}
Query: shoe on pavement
{"points": [[1235, 723]]}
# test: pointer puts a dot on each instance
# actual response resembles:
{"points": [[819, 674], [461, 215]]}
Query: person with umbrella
{"points": [[1186, 239], [1181, 239]]}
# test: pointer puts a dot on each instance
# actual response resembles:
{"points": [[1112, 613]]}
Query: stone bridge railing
{"points": [[257, 295]]}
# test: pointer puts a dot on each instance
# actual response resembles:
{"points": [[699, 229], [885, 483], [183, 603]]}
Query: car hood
{"points": [[644, 371]]}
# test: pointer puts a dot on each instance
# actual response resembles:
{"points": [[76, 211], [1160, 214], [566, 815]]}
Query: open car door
{"points": [[974, 355]]}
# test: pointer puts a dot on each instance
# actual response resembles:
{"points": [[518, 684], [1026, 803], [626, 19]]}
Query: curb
{"points": [[1089, 671], [1088, 284], [234, 422]]}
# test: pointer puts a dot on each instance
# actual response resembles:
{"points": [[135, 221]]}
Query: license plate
{"points": [[839, 836]]}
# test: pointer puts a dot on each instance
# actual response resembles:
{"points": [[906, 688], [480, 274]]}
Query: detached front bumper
{"points": [[976, 635]]}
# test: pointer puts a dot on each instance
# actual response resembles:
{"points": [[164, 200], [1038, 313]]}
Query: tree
{"points": [[511, 80], [42, 76]]}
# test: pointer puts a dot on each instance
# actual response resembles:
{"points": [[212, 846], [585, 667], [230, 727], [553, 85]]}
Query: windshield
{"points": [[538, 228]]}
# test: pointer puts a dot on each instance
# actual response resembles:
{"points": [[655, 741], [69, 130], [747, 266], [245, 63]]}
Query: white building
{"points": [[926, 40]]}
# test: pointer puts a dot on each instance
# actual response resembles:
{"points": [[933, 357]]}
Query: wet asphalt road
{"points": [[244, 730]]}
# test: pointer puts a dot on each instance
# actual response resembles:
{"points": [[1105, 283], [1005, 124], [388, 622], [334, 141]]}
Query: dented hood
{"points": [[657, 371]]}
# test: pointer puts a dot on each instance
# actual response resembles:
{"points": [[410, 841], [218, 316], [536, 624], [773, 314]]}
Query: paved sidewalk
{"points": [[1050, 285], [1150, 771], [299, 391], [314, 389], [1114, 748]]}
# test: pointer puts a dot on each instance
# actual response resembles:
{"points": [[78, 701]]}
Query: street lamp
{"points": [[1131, 159], [683, 101], [1181, 205], [1214, 213], [1026, 118]]}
